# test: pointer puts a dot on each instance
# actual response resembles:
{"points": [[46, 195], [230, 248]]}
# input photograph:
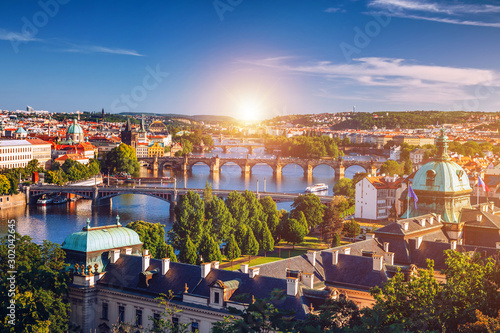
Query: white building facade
{"points": [[15, 153]]}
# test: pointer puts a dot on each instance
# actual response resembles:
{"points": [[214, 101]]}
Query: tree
{"points": [[4, 185], [209, 250], [232, 249], [170, 253], [391, 168], [333, 220], [345, 187], [218, 216], [336, 240], [187, 252], [270, 209], [207, 193], [294, 232], [190, 216], [250, 245], [41, 286], [152, 235], [267, 239], [238, 207], [352, 229], [121, 159], [310, 204]]}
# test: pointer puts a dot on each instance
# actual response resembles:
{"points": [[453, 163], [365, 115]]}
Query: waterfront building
{"points": [[41, 151], [141, 149], [15, 153], [156, 149], [376, 196]]}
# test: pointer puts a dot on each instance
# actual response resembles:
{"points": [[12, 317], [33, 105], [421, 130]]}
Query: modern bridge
{"points": [[101, 195]]}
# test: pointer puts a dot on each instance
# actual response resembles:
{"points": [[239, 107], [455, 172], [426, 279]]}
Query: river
{"points": [[54, 223]]}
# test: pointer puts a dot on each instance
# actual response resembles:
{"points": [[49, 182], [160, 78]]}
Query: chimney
{"points": [[453, 244], [418, 241], [484, 207], [378, 262], [335, 257], [439, 218], [498, 245], [479, 217], [422, 222], [386, 246], [205, 269], [346, 250], [145, 260], [215, 264], [308, 279], [492, 206], [431, 220], [244, 268], [292, 286], [405, 226], [165, 265], [128, 250], [114, 255], [253, 272], [311, 256], [389, 258], [370, 235]]}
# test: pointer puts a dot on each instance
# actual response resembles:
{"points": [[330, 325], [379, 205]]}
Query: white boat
{"points": [[60, 200], [44, 201], [317, 188]]}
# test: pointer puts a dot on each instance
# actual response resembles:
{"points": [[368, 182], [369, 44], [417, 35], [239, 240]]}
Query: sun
{"points": [[250, 110]]}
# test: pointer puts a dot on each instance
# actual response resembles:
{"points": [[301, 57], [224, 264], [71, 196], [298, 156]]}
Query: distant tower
{"points": [[354, 108], [128, 135], [102, 113]]}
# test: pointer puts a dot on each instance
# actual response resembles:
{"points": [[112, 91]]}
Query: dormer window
{"points": [[216, 297], [431, 177]]}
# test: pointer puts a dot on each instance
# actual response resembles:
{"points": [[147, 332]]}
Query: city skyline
{"points": [[250, 59]]}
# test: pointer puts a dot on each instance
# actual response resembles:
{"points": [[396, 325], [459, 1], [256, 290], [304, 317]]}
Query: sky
{"points": [[249, 59]]}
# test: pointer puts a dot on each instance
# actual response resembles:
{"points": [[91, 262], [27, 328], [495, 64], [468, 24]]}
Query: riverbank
{"points": [[13, 200]]}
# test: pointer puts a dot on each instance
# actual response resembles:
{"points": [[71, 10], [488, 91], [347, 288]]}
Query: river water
{"points": [[55, 223]]}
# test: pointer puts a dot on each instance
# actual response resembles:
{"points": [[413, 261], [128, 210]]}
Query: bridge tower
{"points": [[373, 169], [215, 164], [277, 170], [155, 163], [308, 170], [339, 172]]}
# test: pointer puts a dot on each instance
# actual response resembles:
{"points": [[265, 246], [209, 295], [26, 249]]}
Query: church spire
{"points": [[442, 147]]}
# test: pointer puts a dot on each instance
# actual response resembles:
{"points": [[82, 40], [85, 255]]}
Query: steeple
{"points": [[442, 147], [143, 127], [128, 126]]}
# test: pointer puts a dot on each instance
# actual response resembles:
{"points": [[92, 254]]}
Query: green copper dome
{"points": [[101, 238], [20, 130], [75, 128]]}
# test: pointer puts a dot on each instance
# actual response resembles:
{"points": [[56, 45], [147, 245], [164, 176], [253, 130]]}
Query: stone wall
{"points": [[8, 201]]}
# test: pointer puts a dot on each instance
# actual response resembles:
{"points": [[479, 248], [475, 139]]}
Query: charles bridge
{"points": [[246, 164]]}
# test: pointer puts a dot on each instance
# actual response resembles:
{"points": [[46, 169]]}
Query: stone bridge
{"points": [[101, 195], [246, 164]]}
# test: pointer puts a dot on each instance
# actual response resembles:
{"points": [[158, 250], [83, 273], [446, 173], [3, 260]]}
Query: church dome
{"points": [[20, 130], [441, 174], [101, 238], [75, 128]]}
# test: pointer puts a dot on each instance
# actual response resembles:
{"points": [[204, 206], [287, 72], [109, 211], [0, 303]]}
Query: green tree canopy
{"points": [[190, 216], [121, 159], [187, 252], [310, 204], [344, 186], [294, 232], [218, 216], [232, 249], [41, 286], [352, 229], [391, 168], [152, 235], [170, 253]]}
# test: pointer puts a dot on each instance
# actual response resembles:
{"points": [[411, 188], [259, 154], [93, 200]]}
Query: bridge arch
{"points": [[230, 163], [287, 167], [268, 167], [324, 165], [84, 194], [167, 197], [351, 170]]}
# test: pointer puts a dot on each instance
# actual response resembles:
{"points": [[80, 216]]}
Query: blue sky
{"points": [[249, 58]]}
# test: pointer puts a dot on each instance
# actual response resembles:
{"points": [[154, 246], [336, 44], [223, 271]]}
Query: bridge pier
{"points": [[27, 194], [224, 149], [250, 150], [246, 169], [308, 170], [339, 172], [215, 165], [373, 170]]}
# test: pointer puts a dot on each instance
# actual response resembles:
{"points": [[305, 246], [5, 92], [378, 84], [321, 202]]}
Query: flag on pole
{"points": [[412, 195], [483, 185]]}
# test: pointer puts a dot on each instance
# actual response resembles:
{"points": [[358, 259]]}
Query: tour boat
{"points": [[317, 188], [44, 201], [59, 200]]}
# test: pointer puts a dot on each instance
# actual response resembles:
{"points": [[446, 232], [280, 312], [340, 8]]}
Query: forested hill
{"points": [[411, 119]]}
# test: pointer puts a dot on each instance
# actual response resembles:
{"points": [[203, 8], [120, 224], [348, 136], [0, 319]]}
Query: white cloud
{"points": [[452, 13], [334, 10], [392, 80], [16, 36], [101, 49]]}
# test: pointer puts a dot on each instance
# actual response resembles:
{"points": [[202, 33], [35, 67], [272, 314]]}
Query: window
{"points": [[194, 326], [216, 298], [175, 321], [104, 312], [138, 317], [121, 314], [156, 321]]}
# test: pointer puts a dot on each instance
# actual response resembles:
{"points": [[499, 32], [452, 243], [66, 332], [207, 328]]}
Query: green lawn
{"points": [[255, 261]]}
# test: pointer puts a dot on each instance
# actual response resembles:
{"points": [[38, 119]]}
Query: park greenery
{"points": [[41, 286], [152, 235], [71, 171], [189, 140], [305, 146], [392, 120], [9, 177]]}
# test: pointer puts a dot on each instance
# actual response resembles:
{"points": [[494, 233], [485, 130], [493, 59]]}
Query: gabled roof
{"points": [[397, 228]]}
